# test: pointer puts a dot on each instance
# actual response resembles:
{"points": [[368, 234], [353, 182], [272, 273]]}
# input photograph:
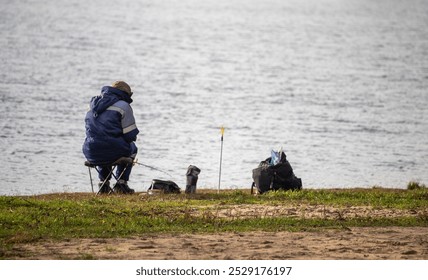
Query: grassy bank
{"points": [[64, 216]]}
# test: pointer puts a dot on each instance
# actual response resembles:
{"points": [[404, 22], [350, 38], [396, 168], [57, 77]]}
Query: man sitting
{"points": [[111, 133]]}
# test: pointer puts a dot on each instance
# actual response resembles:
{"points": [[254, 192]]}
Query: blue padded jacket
{"points": [[110, 127]]}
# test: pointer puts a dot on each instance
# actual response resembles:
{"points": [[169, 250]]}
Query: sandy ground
{"points": [[353, 243], [347, 243], [303, 211]]}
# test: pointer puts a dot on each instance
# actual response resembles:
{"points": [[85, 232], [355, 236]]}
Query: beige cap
{"points": [[122, 86]]}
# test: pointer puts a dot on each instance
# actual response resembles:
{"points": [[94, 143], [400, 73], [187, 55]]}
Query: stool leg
{"points": [[105, 180], [123, 171], [90, 178], [97, 168], [102, 185], [110, 191]]}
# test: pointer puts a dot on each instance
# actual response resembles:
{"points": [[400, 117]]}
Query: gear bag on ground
{"points": [[275, 173], [164, 186]]}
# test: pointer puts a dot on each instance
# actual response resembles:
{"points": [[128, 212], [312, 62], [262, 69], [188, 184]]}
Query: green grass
{"points": [[64, 216], [412, 185], [376, 197]]}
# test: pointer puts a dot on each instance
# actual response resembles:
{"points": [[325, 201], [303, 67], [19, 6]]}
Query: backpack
{"points": [[268, 176], [164, 186]]}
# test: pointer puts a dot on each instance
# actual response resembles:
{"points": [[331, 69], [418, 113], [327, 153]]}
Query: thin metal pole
{"points": [[221, 158], [90, 178]]}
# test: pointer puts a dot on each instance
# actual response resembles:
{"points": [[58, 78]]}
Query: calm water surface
{"points": [[340, 85]]}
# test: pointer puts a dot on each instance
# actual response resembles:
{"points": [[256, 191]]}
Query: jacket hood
{"points": [[109, 96]]}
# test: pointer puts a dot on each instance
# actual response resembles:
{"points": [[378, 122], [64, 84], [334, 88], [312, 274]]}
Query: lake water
{"points": [[340, 85]]}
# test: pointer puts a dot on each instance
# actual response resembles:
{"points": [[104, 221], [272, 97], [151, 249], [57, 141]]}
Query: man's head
{"points": [[123, 87]]}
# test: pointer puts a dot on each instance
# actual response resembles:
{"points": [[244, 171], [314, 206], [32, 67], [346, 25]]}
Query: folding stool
{"points": [[121, 161]]}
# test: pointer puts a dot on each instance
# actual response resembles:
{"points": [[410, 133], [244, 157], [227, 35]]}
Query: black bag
{"points": [[164, 186], [263, 178], [275, 177]]}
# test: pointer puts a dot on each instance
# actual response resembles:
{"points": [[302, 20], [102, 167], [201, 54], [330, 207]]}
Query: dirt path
{"points": [[354, 243], [305, 211]]}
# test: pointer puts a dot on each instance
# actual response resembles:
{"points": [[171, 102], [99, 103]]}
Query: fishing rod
{"points": [[151, 167]]}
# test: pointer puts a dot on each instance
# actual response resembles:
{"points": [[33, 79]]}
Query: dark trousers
{"points": [[105, 170]]}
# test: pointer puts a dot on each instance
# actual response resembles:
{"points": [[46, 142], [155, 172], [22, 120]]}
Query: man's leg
{"points": [[120, 168], [104, 173], [122, 182], [126, 174]]}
